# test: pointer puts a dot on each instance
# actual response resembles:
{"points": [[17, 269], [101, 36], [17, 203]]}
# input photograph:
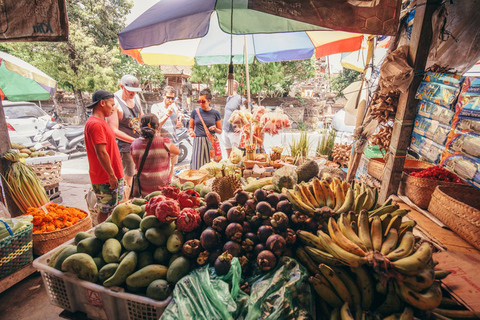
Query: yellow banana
{"points": [[320, 256], [319, 195], [335, 315], [369, 199], [308, 195], [329, 197], [336, 283], [351, 286], [348, 232], [354, 227], [390, 242], [407, 314], [376, 234], [345, 186], [404, 249], [346, 313], [303, 197], [394, 223], [337, 181], [292, 197], [332, 186], [338, 252], [423, 301], [310, 239], [347, 203], [359, 202], [392, 303], [325, 292], [386, 218], [364, 231], [339, 197], [416, 262], [421, 281], [365, 285], [342, 240], [357, 189], [305, 259]]}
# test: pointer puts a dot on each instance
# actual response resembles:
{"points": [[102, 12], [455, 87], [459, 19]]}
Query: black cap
{"points": [[99, 96]]}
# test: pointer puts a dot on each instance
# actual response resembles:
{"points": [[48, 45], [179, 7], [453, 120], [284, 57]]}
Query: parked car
{"points": [[24, 121]]}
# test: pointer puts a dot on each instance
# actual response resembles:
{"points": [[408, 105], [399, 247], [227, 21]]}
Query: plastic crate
{"points": [[68, 292]]}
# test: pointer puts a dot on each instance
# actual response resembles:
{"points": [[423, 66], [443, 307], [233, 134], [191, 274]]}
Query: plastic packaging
{"points": [[435, 112], [437, 93], [465, 167]]}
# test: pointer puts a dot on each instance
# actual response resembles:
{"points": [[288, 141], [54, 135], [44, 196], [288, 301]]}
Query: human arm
{"points": [[112, 121], [191, 128], [104, 159], [173, 149], [217, 127]]}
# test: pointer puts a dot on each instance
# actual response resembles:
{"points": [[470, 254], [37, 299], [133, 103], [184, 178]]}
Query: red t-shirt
{"points": [[97, 131]]}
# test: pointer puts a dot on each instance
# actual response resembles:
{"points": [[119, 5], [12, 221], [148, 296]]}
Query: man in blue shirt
{"points": [[231, 135]]}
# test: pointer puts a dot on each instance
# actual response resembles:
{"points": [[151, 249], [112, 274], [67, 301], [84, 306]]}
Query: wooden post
{"points": [[407, 105], [10, 204]]}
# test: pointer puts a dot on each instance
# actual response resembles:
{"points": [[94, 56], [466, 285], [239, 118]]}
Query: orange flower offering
{"points": [[54, 217]]}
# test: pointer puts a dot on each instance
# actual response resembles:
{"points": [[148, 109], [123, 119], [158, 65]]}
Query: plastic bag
{"points": [[236, 155], [283, 293]]}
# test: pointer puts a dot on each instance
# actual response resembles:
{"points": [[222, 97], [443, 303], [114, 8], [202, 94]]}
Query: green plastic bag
{"points": [[283, 293]]}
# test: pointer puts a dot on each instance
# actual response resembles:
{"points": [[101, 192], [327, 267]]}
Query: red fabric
{"points": [[97, 131], [346, 45]]}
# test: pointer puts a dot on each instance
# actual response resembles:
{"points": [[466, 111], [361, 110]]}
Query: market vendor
{"points": [[201, 118], [105, 163]]}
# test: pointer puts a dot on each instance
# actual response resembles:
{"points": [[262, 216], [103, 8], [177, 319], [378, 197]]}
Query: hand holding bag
{"points": [[136, 186], [215, 150]]}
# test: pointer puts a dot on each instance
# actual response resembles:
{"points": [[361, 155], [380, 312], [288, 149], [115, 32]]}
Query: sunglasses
{"points": [[201, 101], [170, 98]]}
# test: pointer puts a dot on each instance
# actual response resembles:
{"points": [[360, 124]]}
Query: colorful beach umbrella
{"points": [[20, 80], [205, 36]]}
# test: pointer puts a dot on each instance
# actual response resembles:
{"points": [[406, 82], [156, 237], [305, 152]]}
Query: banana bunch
{"points": [[337, 195], [379, 242]]}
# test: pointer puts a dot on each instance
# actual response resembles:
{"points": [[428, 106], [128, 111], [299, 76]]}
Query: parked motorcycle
{"points": [[50, 138], [183, 137]]}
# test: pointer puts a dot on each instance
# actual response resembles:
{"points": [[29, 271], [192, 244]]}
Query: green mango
{"points": [[106, 230], [125, 268], [82, 265], [111, 250], [144, 276], [159, 290], [92, 246]]}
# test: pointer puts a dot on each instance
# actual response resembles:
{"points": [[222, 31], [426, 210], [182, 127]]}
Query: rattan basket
{"points": [[420, 190], [376, 166], [16, 250], [48, 173], [46, 241], [195, 176], [459, 208]]}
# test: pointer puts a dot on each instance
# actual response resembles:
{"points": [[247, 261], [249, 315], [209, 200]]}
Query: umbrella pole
{"points": [[248, 83]]}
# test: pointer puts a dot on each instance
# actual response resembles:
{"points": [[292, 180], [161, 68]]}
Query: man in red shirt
{"points": [[105, 164]]}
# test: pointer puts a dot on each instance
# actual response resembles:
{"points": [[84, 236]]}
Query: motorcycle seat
{"points": [[73, 133]]}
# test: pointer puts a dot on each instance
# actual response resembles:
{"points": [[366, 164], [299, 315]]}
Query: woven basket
{"points": [[46, 241], [420, 190], [376, 166], [16, 250], [48, 173], [195, 176], [459, 208]]}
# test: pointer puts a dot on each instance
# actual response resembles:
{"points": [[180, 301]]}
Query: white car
{"points": [[24, 121]]}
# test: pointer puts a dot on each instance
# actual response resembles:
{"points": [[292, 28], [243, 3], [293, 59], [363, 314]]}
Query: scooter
{"points": [[183, 137], [50, 138]]}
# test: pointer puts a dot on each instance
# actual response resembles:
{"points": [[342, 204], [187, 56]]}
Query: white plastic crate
{"points": [[70, 293]]}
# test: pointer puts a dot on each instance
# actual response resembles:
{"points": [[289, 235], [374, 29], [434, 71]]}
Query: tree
{"points": [[343, 80], [273, 79]]}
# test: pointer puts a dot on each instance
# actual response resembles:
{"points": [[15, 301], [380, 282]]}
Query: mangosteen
{"points": [[225, 206], [246, 226], [279, 221], [264, 209], [195, 234], [236, 214], [210, 215], [250, 206], [266, 260], [241, 197], [260, 195], [277, 244], [213, 256], [209, 239], [311, 225], [233, 248], [249, 241], [220, 223], [212, 199], [233, 202], [282, 196], [252, 236], [264, 232], [259, 248], [298, 218], [285, 206], [191, 248], [234, 232], [202, 258], [202, 211], [223, 263], [290, 236], [243, 261], [272, 198], [267, 222]]}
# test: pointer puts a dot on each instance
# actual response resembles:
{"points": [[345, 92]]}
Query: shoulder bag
{"points": [[215, 150], [136, 186]]}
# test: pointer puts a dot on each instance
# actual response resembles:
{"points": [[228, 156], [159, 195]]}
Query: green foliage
{"points": [[326, 144], [343, 80], [272, 79]]}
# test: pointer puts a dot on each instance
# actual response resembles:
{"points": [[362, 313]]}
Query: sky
{"points": [[139, 6]]}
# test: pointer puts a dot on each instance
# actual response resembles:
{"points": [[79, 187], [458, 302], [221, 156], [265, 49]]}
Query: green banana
{"points": [[382, 210], [423, 301], [348, 202], [365, 285], [404, 249], [394, 223], [364, 230], [441, 274], [392, 303], [376, 234], [359, 202], [390, 242], [420, 281], [416, 262]]}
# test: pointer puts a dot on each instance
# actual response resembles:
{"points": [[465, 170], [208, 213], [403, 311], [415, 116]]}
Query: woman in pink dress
{"points": [[157, 167]]}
